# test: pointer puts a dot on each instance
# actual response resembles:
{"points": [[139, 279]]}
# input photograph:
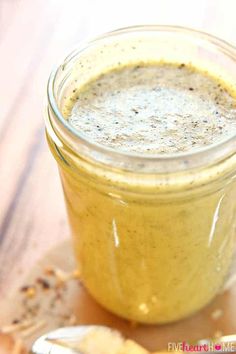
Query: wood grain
{"points": [[31, 208], [33, 36]]}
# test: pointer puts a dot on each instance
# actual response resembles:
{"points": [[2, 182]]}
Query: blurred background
{"points": [[34, 36]]}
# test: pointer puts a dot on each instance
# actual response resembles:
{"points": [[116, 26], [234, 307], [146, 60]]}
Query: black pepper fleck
{"points": [[44, 283]]}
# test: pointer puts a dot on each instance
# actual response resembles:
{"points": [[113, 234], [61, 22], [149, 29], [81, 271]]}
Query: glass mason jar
{"points": [[154, 235]]}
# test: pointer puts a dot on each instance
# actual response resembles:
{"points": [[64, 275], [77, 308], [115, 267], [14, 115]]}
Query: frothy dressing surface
{"points": [[156, 108]]}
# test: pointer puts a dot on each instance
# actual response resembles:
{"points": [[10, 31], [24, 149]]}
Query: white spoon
{"points": [[93, 339]]}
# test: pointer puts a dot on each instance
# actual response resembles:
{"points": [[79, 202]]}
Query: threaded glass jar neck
{"points": [[151, 43]]}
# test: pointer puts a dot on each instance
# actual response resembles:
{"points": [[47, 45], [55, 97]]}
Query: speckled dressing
{"points": [[148, 233], [155, 108]]}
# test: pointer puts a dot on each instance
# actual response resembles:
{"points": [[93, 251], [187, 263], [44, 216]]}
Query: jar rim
{"points": [[219, 150]]}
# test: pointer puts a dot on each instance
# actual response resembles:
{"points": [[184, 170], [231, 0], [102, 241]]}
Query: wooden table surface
{"points": [[34, 35]]}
